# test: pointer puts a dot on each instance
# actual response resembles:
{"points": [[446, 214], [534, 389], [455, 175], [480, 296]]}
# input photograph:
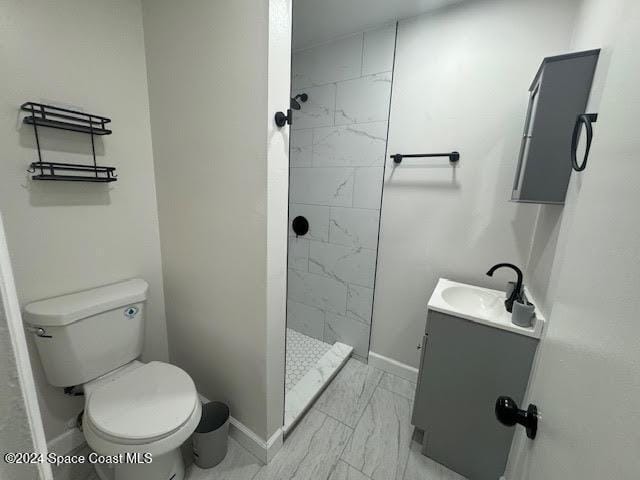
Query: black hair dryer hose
{"points": [[587, 119]]}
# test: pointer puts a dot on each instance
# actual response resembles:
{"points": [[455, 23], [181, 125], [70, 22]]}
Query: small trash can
{"points": [[210, 437]]}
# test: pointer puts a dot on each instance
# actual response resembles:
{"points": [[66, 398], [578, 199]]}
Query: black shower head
{"points": [[303, 97]]}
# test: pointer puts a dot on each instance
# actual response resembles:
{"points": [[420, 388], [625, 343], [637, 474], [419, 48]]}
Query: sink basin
{"points": [[480, 305], [473, 301]]}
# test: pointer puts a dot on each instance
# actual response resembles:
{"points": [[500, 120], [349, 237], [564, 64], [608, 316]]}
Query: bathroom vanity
{"points": [[471, 355]]}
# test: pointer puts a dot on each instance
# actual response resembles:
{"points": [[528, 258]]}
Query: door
{"points": [[21, 426], [587, 382]]}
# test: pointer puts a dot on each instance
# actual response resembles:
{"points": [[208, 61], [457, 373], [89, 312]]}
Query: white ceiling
{"points": [[316, 21]]}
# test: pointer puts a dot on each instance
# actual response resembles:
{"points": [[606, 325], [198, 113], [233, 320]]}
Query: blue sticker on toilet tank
{"points": [[131, 312]]}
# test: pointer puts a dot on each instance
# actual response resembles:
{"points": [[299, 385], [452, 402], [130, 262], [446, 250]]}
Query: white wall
{"points": [[279, 81], [460, 83], [65, 237], [208, 84], [20, 423], [595, 26], [338, 145], [586, 380]]}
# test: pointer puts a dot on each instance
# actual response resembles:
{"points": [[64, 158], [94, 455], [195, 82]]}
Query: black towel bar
{"points": [[454, 157]]}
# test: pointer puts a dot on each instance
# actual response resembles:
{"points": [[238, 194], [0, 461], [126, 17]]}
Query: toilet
{"points": [[90, 342]]}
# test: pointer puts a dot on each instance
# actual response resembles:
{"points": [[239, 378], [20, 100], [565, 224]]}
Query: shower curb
{"points": [[311, 385]]}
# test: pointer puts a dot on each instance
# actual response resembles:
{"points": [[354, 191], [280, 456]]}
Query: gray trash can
{"points": [[210, 437]]}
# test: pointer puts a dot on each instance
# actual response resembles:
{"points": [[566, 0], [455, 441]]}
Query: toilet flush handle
{"points": [[39, 332]]}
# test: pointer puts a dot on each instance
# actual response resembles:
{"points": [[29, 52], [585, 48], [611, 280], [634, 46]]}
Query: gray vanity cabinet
{"points": [[465, 367], [558, 94]]}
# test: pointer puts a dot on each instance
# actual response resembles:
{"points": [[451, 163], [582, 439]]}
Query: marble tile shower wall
{"points": [[338, 145]]}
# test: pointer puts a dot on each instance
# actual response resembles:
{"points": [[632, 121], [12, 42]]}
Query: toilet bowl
{"points": [[93, 339], [141, 409]]}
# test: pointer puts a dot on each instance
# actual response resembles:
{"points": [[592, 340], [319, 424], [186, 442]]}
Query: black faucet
{"points": [[515, 295]]}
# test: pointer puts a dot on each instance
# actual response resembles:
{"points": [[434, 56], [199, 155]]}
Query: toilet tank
{"points": [[84, 335]]}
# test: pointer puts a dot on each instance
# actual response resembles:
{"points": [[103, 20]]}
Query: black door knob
{"points": [[508, 413]]}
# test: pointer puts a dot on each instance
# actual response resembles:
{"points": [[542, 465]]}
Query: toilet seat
{"points": [[152, 408]]}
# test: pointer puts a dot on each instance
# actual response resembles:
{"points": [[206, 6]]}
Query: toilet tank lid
{"points": [[66, 309]]}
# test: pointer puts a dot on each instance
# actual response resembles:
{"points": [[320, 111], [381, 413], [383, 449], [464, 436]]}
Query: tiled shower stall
{"points": [[338, 147]]}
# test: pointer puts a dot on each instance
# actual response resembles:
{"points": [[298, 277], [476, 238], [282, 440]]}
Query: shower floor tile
{"points": [[303, 353], [311, 365]]}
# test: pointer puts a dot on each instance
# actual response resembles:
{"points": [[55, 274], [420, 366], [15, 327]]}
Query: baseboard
{"points": [[393, 367], [274, 444], [263, 451], [66, 442], [73, 439]]}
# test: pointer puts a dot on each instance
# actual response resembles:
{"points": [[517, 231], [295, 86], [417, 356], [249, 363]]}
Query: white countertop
{"points": [[493, 316]]}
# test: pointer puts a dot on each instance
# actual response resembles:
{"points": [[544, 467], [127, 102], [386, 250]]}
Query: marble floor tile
{"points": [[239, 464], [76, 471], [349, 393], [344, 471], [398, 385], [310, 452], [379, 446], [420, 467]]}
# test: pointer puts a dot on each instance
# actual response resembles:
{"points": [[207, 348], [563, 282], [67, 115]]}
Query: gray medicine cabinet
{"points": [[558, 94]]}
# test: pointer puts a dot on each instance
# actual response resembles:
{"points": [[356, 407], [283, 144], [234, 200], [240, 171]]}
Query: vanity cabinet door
{"points": [[465, 367]]}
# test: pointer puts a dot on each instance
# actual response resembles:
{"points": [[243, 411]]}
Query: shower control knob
{"points": [[300, 226], [282, 119]]}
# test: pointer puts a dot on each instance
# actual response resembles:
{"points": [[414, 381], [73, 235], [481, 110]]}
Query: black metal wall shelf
{"points": [[48, 172], [71, 120]]}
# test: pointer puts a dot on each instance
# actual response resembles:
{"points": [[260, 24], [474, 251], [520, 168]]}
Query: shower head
{"points": [[303, 97]]}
